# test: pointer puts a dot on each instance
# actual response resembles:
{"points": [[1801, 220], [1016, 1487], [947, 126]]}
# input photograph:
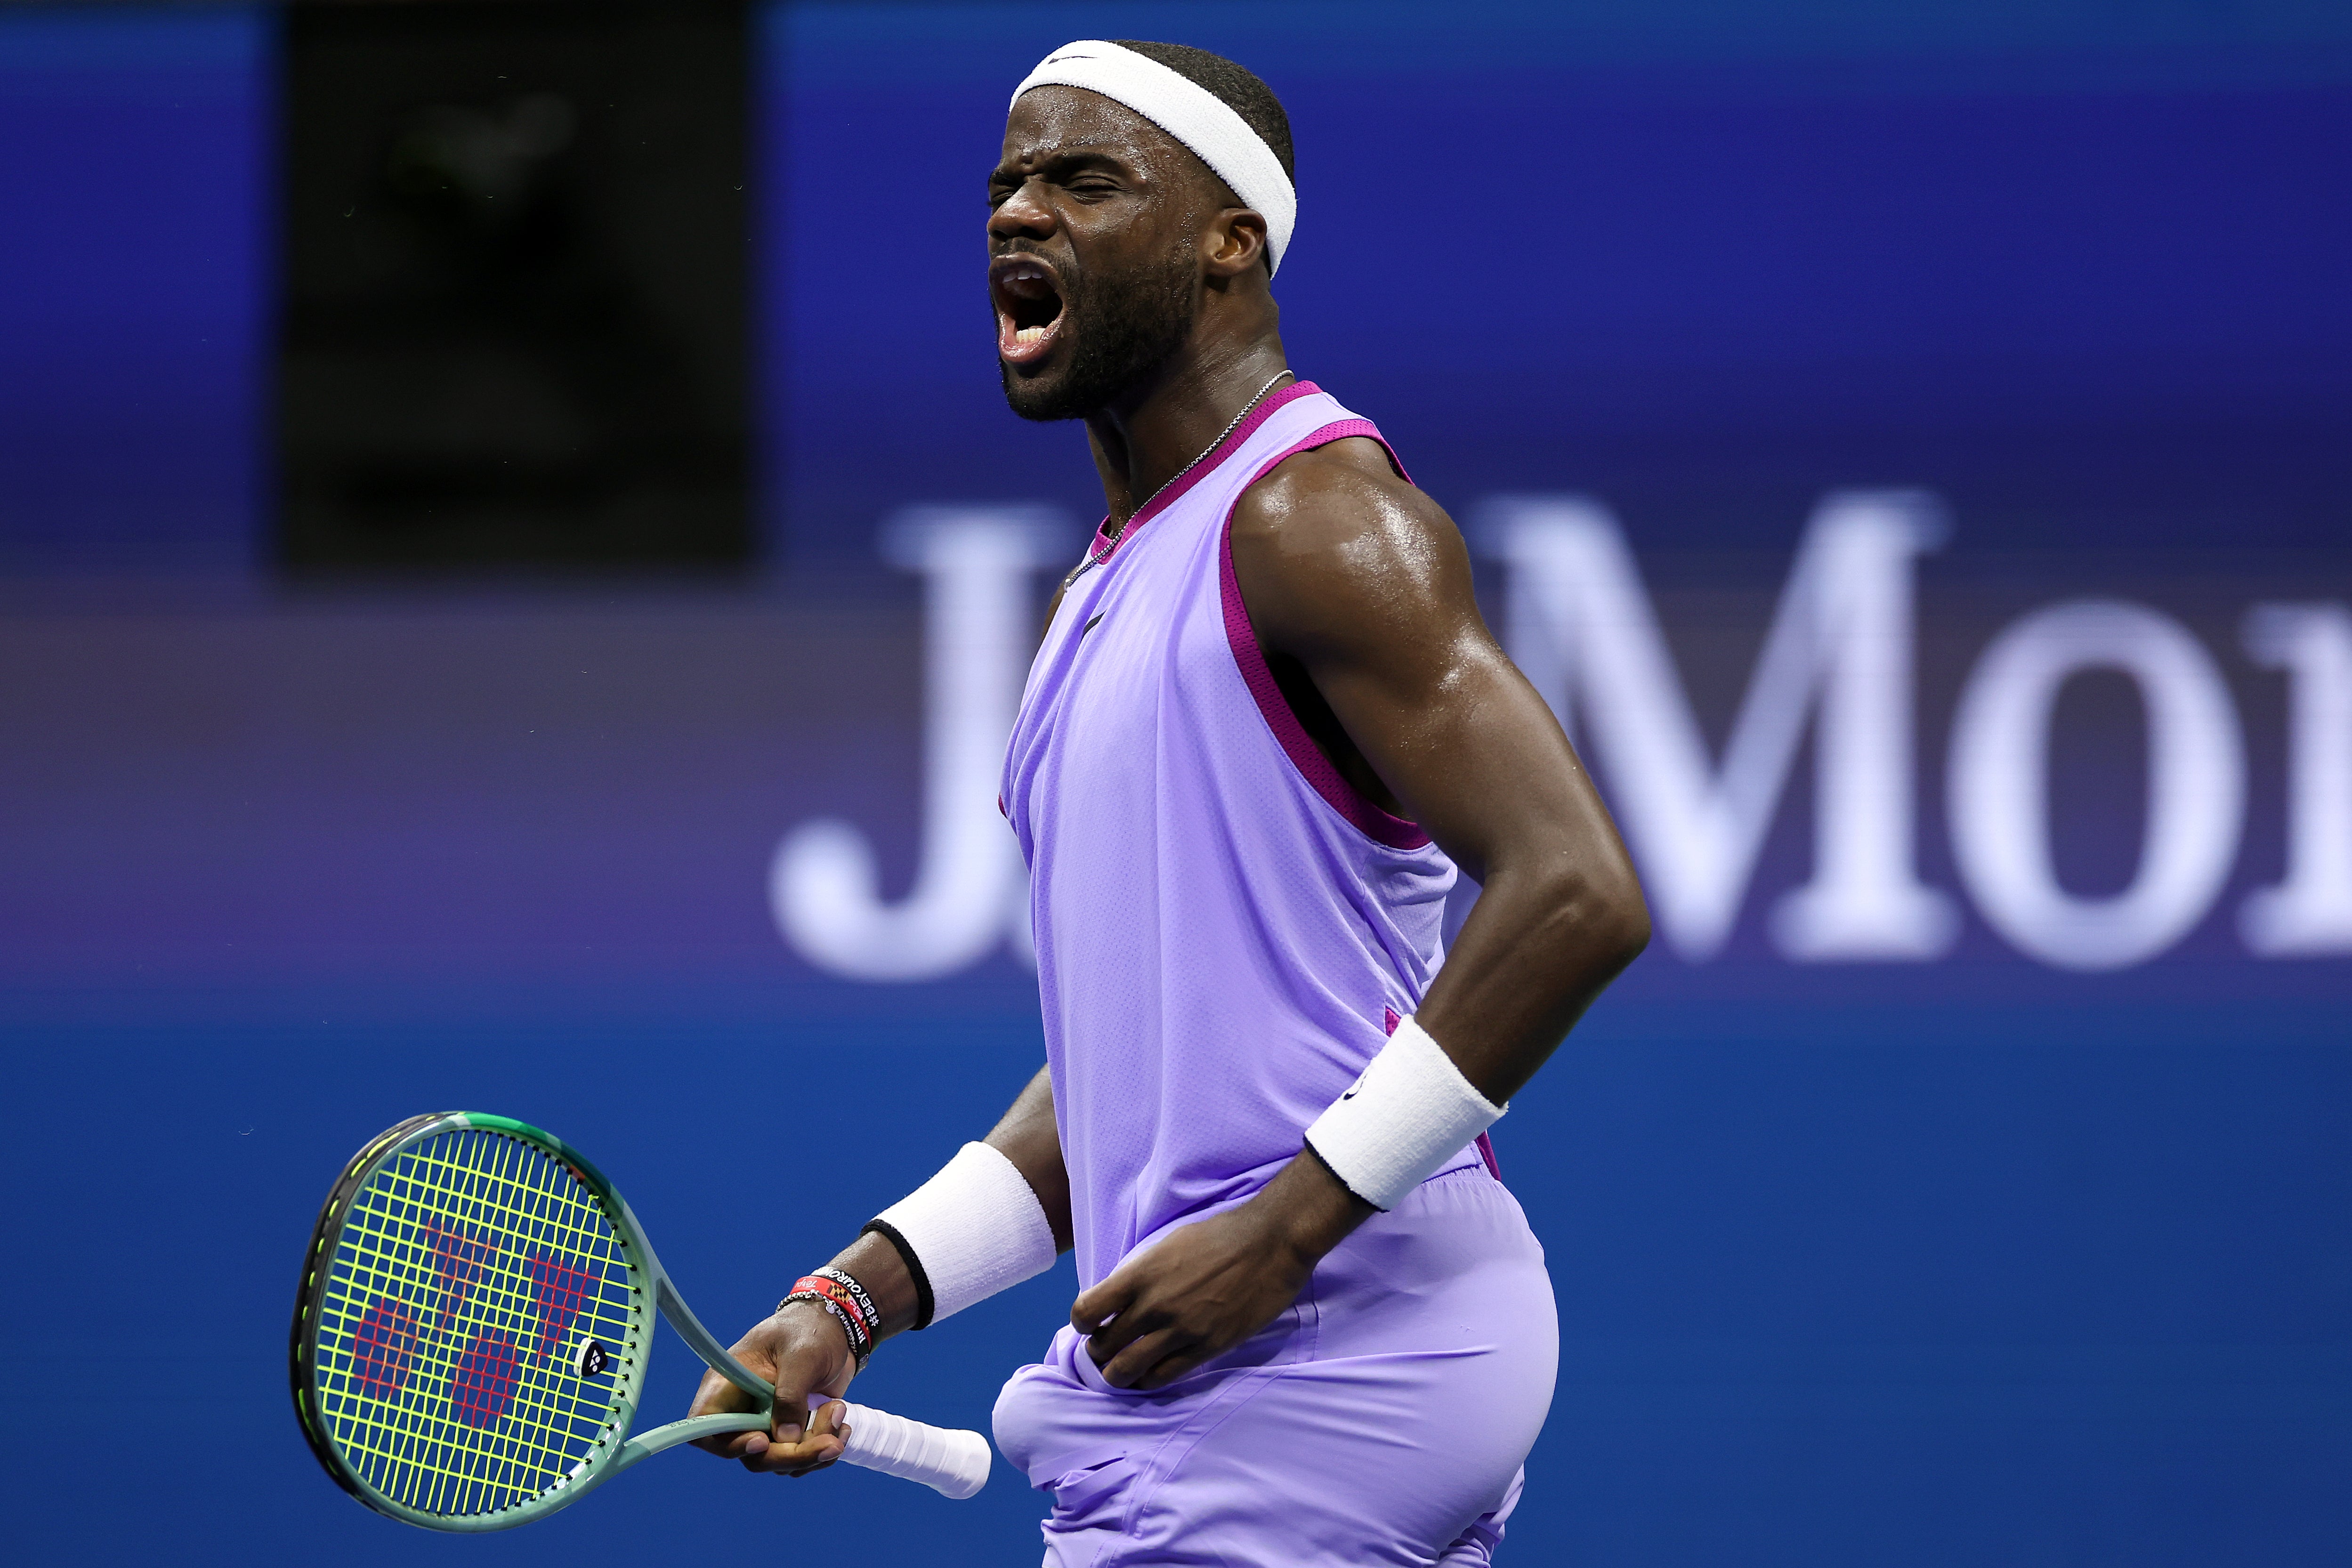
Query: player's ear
{"points": [[1236, 243]]}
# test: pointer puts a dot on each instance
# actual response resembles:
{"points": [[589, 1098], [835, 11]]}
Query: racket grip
{"points": [[952, 1464]]}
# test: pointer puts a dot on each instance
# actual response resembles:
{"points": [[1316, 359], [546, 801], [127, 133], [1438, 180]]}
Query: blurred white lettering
{"points": [[2311, 912], [1579, 624], [978, 628], [1838, 657], [1998, 782]]}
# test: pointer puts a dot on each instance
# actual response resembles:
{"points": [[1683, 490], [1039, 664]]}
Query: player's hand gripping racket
{"points": [[473, 1327]]}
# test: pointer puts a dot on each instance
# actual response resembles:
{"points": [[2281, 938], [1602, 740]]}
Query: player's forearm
{"points": [[1542, 948], [1309, 1209], [874, 1263], [1027, 1136], [1549, 931]]}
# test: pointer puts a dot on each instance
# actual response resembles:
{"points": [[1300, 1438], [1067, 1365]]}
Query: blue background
{"points": [[1956, 1263]]}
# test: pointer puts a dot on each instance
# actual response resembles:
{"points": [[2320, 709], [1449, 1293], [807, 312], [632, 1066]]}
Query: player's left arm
{"points": [[1362, 582], [1360, 590]]}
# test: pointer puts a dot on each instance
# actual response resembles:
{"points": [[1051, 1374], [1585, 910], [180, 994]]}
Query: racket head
{"points": [[472, 1325]]}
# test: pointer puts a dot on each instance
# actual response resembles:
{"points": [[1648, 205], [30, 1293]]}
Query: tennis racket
{"points": [[473, 1327]]}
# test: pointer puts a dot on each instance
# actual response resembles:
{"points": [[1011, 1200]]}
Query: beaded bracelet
{"points": [[856, 1302], [861, 1347], [865, 1302], [848, 1301]]}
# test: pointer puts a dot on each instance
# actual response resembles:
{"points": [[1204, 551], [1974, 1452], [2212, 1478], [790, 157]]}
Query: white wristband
{"points": [[1409, 1112], [968, 1232]]}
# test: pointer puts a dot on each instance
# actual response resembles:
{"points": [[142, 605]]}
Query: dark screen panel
{"points": [[514, 310]]}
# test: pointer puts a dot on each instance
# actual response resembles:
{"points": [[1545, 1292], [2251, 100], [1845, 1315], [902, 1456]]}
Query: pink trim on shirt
{"points": [[1104, 546], [1379, 825], [1340, 430]]}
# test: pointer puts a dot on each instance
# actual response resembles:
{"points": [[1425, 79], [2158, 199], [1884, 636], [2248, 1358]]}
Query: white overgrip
{"points": [[953, 1464]]}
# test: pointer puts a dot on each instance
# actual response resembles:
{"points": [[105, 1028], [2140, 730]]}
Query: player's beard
{"points": [[1120, 330]]}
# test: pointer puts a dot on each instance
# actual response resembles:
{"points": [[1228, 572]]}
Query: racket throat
{"points": [[704, 1343]]}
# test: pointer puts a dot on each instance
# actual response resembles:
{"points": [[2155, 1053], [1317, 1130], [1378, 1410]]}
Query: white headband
{"points": [[1190, 113]]}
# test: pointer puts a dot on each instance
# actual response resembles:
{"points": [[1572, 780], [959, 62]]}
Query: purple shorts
{"points": [[1383, 1420]]}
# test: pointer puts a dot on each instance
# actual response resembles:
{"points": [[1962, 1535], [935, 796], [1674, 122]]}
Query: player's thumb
{"points": [[793, 1384]]}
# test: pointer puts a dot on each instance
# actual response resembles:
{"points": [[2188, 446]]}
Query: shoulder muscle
{"points": [[1332, 548]]}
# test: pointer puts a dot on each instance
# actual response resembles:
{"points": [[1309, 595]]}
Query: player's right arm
{"points": [[803, 1350]]}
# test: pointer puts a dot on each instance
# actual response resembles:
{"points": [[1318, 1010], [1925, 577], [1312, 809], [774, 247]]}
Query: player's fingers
{"points": [[1174, 1367], [716, 1396], [1146, 1353], [822, 1454], [817, 1362], [733, 1445], [1121, 1332], [833, 1421], [810, 1453], [791, 1410], [1098, 1306], [825, 1442]]}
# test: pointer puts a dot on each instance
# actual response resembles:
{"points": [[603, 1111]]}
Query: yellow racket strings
{"points": [[453, 1369]]}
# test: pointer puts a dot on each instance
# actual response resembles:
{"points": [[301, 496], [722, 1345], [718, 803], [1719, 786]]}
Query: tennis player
{"points": [[1266, 727]]}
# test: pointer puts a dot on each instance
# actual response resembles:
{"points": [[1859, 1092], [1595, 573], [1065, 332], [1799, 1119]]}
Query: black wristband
{"points": [[923, 1302]]}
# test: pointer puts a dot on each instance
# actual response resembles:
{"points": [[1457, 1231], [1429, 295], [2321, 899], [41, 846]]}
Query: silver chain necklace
{"points": [[1093, 560]]}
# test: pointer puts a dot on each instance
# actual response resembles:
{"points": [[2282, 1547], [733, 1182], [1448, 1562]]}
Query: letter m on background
{"points": [[1580, 622]]}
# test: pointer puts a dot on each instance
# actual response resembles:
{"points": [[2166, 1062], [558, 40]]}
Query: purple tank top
{"points": [[1225, 928]]}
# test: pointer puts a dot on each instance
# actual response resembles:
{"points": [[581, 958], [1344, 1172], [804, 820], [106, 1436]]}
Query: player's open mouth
{"points": [[1028, 309]]}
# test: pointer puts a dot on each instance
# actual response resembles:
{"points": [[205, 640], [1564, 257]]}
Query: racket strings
{"points": [[468, 1270]]}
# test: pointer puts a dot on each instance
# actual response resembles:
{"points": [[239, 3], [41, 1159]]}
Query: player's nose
{"points": [[1022, 214]]}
